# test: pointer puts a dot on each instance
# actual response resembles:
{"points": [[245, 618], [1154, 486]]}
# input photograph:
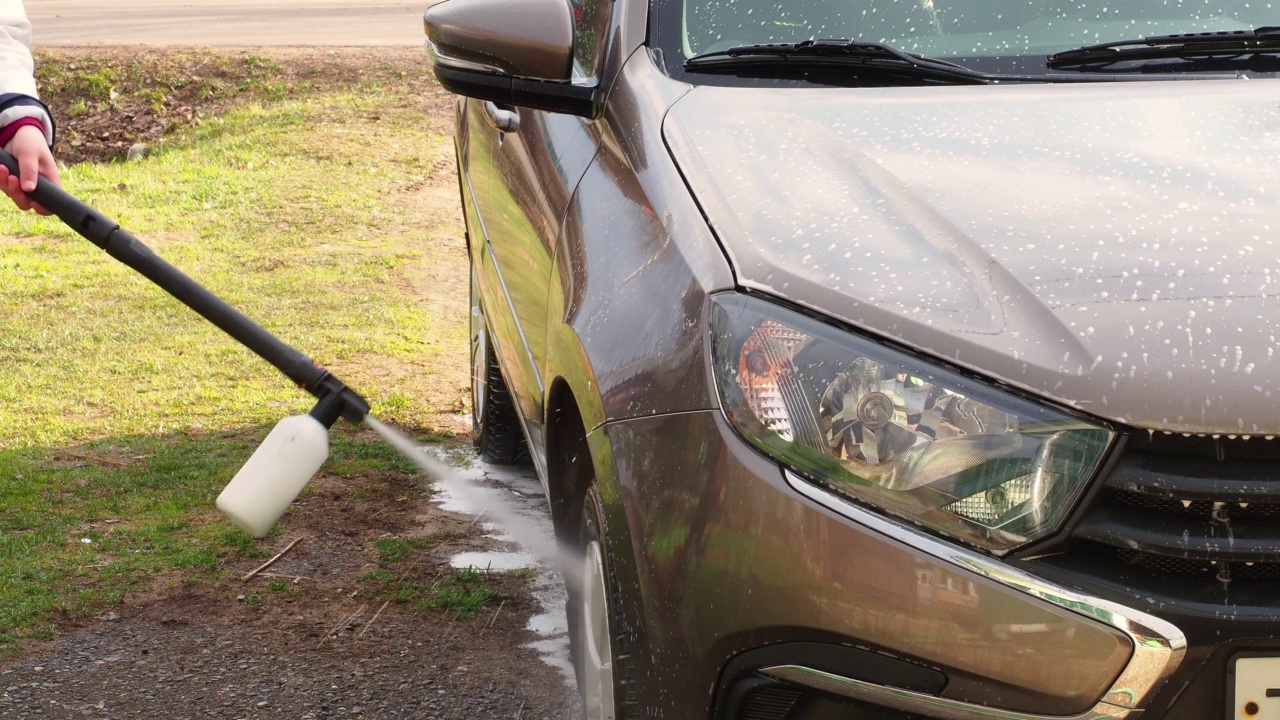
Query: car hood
{"points": [[1107, 246]]}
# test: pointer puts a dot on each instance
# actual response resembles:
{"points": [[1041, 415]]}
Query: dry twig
{"points": [[495, 616], [374, 619], [294, 578], [268, 563], [346, 620]]}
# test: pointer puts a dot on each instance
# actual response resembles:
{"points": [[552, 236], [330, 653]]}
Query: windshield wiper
{"points": [[873, 56], [1227, 43]]}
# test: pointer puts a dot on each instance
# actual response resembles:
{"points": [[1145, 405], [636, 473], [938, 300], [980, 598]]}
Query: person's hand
{"points": [[34, 158]]}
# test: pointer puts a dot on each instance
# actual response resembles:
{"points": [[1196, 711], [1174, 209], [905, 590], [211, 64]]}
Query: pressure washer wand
{"points": [[295, 448], [123, 246]]}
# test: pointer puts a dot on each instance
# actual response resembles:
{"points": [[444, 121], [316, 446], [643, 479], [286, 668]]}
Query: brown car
{"points": [[887, 358]]}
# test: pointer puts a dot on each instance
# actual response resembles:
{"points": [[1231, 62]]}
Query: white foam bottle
{"points": [[274, 475]]}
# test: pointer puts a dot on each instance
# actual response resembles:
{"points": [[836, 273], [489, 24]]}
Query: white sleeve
{"points": [[17, 69]]}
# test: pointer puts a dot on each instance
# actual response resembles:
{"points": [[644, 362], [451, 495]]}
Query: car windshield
{"points": [[955, 28]]}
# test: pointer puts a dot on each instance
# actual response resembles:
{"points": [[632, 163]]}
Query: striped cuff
{"points": [[15, 107], [8, 131]]}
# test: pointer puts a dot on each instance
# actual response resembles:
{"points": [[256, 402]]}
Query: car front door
{"points": [[532, 160]]}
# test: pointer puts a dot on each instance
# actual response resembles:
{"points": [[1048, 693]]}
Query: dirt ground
{"points": [[327, 631], [312, 637], [108, 99]]}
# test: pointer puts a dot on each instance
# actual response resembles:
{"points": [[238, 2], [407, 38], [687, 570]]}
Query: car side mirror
{"points": [[515, 52]]}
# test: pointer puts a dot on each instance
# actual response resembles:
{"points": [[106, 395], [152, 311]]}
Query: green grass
{"points": [[122, 414], [378, 576], [279, 211], [466, 594], [396, 549]]}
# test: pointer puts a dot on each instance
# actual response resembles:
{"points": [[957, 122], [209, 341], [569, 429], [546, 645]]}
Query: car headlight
{"points": [[892, 431]]}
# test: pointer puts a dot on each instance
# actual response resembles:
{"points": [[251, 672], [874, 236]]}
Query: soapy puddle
{"points": [[510, 505], [492, 560]]}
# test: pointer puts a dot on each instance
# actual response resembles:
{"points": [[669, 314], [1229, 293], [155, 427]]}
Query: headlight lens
{"points": [[889, 430]]}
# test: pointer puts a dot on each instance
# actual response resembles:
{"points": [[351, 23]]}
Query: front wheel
{"points": [[601, 652]]}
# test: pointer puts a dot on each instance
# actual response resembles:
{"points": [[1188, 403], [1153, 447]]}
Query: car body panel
{"points": [[729, 560], [1106, 241], [526, 180], [622, 264], [521, 183], [498, 215]]}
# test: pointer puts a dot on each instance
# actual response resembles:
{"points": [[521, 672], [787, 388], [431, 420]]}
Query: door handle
{"points": [[504, 119]]}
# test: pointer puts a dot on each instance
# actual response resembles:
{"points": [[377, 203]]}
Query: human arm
{"points": [[26, 126]]}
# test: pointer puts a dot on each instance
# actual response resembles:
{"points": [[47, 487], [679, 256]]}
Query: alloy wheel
{"points": [[597, 650]]}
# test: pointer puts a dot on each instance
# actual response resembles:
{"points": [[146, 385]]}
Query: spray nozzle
{"points": [[337, 401]]}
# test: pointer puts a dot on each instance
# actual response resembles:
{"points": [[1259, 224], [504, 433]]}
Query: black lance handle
{"points": [[336, 399]]}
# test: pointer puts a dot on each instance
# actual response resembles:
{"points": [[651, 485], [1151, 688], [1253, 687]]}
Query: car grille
{"points": [[1191, 506]]}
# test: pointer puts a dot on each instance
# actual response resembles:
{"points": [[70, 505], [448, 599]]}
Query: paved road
{"points": [[233, 23]]}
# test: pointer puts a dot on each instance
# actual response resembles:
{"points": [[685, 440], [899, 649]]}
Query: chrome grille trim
{"points": [[920, 704], [1158, 645]]}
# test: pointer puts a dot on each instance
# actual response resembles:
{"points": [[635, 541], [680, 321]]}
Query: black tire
{"points": [[495, 428], [620, 635]]}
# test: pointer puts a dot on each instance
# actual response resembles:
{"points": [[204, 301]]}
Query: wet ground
{"points": [[511, 506], [316, 638]]}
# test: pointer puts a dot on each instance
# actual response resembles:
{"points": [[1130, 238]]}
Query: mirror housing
{"points": [[514, 52]]}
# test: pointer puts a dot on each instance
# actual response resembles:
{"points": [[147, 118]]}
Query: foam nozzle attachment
{"points": [[287, 460], [338, 401], [274, 475]]}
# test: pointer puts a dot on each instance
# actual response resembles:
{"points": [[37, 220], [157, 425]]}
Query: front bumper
{"points": [[743, 573], [1186, 528], [1239, 624]]}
